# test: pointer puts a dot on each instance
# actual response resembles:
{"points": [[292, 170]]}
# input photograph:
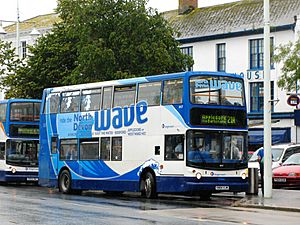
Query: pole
{"points": [[18, 31], [267, 105]]}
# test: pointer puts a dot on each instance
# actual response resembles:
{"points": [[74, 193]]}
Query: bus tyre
{"points": [[149, 188], [64, 182]]}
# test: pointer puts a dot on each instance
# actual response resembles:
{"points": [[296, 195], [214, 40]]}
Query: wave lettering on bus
{"points": [[218, 84], [121, 117]]}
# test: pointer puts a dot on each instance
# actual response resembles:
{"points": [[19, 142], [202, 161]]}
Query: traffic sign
{"points": [[293, 100]]}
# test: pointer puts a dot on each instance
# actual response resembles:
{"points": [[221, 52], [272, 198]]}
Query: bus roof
{"points": [[142, 80], [19, 100]]}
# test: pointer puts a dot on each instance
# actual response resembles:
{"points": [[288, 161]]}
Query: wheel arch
{"points": [[143, 174]]}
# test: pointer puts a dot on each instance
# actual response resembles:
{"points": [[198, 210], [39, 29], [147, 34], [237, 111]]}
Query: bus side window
{"points": [[2, 150], [149, 92], [124, 96], [89, 149], [68, 149], [52, 103], [105, 149], [106, 101], [3, 112], [173, 91], [174, 147], [116, 150], [70, 102], [53, 145], [90, 100]]}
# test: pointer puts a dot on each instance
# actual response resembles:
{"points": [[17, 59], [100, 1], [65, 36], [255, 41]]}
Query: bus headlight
{"points": [[244, 175], [13, 170], [198, 176]]}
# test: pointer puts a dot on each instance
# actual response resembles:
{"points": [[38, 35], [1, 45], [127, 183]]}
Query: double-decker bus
{"points": [[171, 133], [19, 140]]}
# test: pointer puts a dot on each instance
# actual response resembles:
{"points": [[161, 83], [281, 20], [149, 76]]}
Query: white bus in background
{"points": [[19, 140]]}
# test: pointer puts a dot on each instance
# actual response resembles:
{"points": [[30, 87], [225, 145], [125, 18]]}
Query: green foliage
{"points": [[100, 40], [9, 64], [289, 55]]}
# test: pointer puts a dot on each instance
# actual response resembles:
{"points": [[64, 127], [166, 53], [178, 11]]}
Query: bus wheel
{"points": [[64, 182], [149, 189]]}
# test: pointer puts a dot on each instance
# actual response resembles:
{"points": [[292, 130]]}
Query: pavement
{"points": [[282, 199]]}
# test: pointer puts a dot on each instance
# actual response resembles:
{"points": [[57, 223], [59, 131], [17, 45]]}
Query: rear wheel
{"points": [[64, 182], [148, 186]]}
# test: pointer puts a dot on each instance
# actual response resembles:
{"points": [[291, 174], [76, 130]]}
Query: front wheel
{"points": [[149, 187], [64, 182]]}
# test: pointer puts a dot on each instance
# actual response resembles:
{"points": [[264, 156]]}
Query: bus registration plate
{"points": [[222, 188], [32, 179]]}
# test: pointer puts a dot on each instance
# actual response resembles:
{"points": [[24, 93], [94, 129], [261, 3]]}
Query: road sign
{"points": [[293, 100]]}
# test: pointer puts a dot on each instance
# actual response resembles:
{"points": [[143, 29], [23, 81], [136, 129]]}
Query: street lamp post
{"points": [[267, 105], [17, 30]]}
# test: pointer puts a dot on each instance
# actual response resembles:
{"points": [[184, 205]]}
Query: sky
{"points": [[32, 8]]}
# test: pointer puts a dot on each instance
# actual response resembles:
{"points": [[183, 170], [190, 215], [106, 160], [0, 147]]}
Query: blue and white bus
{"points": [[172, 133], [19, 140]]}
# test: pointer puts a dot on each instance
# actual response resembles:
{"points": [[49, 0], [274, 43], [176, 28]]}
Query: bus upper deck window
{"points": [[70, 102], [173, 91], [52, 103], [90, 100]]}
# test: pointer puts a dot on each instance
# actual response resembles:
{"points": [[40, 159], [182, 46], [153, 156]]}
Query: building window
{"points": [[257, 53], [221, 57], [24, 49], [257, 96], [187, 51]]}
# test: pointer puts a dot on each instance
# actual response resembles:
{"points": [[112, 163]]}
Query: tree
{"points": [[289, 55], [9, 64], [101, 40]]}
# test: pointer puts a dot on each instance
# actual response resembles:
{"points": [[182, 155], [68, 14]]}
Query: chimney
{"points": [[186, 6]]}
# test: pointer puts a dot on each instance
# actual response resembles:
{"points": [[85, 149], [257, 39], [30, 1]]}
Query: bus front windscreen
{"points": [[210, 149], [210, 90], [22, 153], [25, 111]]}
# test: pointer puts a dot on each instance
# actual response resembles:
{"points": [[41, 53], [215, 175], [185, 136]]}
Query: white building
{"points": [[229, 38], [29, 31]]}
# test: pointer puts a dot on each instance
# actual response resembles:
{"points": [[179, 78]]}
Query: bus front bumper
{"points": [[19, 176], [212, 184]]}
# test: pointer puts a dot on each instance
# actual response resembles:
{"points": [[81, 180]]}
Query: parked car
{"points": [[250, 153], [288, 175], [280, 153]]}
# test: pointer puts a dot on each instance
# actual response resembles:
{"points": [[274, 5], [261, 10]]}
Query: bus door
{"points": [[174, 155]]}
